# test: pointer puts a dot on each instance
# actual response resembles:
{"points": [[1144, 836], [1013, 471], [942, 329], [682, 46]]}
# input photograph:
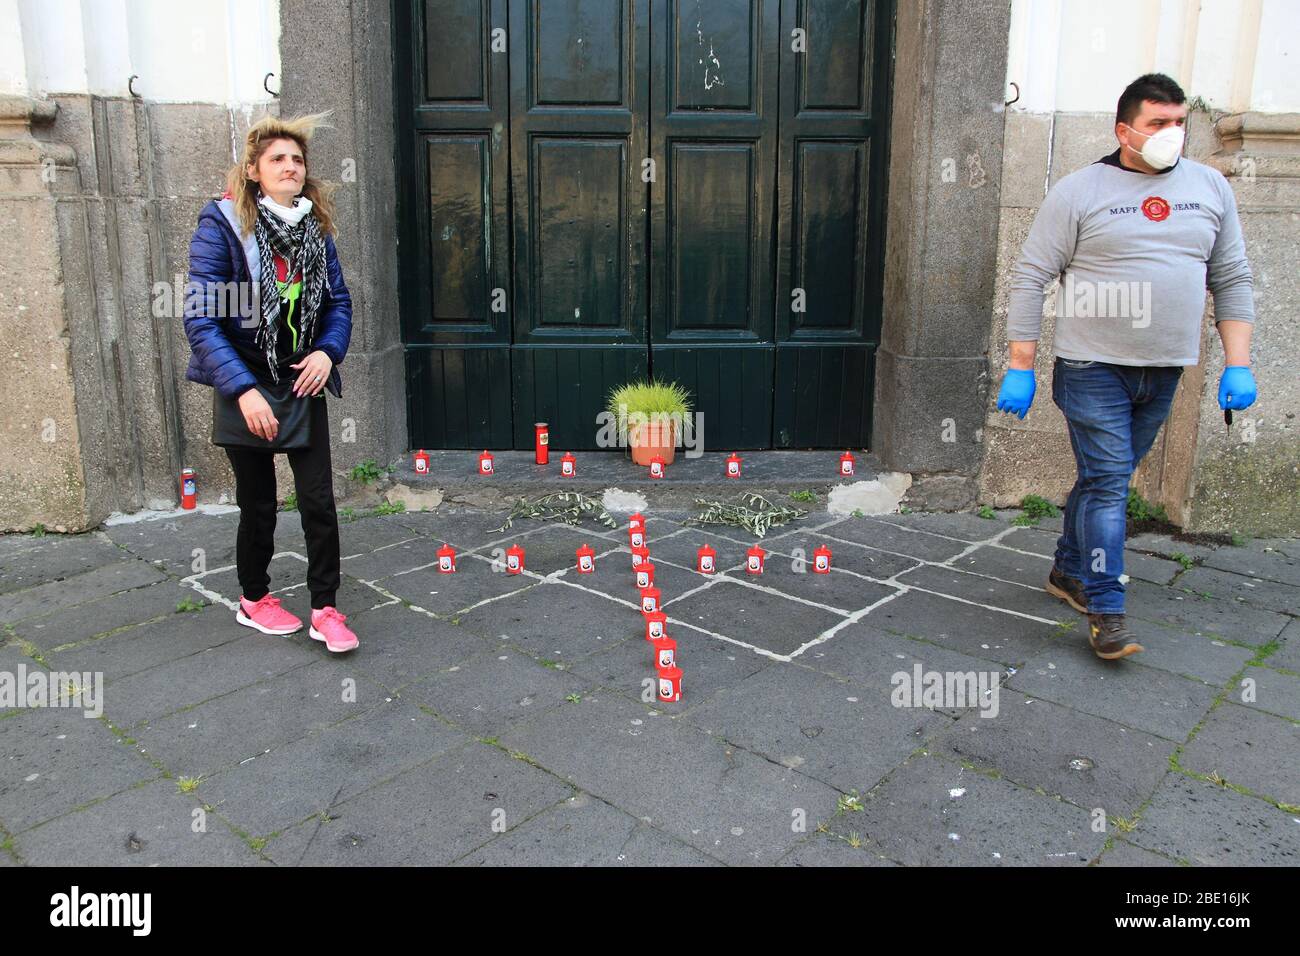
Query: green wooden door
{"points": [[595, 190], [579, 81]]}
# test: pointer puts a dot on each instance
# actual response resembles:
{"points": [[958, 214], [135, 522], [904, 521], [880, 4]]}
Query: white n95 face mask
{"points": [[1161, 149]]}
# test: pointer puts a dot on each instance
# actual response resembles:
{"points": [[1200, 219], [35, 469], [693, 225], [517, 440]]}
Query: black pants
{"points": [[313, 479]]}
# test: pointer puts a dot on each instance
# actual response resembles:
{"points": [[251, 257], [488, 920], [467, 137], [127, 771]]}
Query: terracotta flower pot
{"points": [[651, 438]]}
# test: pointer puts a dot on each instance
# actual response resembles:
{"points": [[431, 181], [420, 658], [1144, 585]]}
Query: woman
{"points": [[273, 231]]}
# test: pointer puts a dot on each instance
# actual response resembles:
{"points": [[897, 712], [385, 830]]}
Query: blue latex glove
{"points": [[1017, 392], [1236, 387]]}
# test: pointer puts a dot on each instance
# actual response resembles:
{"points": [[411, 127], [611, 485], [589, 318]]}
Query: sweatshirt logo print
{"points": [[1155, 209]]}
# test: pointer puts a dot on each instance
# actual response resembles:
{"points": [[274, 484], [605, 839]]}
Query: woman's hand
{"points": [[259, 418], [315, 373]]}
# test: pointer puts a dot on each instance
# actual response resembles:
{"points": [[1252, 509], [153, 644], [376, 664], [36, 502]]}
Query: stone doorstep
{"points": [[453, 475]]}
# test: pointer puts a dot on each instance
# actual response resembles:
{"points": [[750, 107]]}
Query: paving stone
{"points": [[57, 558], [553, 549], [1168, 546], [55, 759], [708, 665], [449, 595], [245, 723], [988, 592], [844, 556], [88, 620], [1033, 540], [1143, 698], [965, 525], [870, 659], [170, 542], [1250, 748], [399, 645], [1236, 588], [152, 825], [1197, 615], [995, 562], [12, 543], [315, 773], [1288, 653], [759, 618], [824, 849], [285, 570], [1002, 562], [393, 559], [742, 536], [139, 648], [1126, 854], [121, 575], [1089, 761], [428, 816], [885, 536], [494, 690], [1210, 825], [1191, 655], [838, 591], [218, 670], [975, 631], [728, 803], [817, 725], [935, 813], [682, 549], [1282, 566], [556, 622], [1054, 524], [476, 530], [583, 831], [371, 532], [614, 576], [1274, 693]]}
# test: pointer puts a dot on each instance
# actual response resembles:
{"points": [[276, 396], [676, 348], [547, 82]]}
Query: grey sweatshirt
{"points": [[1135, 253]]}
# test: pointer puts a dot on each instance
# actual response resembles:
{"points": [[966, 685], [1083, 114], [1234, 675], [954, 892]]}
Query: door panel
{"points": [[578, 79], [830, 222], [579, 89], [713, 131], [453, 179]]}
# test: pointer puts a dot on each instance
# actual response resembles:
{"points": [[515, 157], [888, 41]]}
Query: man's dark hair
{"points": [[1151, 86]]}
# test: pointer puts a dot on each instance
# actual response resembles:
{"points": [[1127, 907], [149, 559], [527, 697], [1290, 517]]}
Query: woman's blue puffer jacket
{"points": [[217, 257]]}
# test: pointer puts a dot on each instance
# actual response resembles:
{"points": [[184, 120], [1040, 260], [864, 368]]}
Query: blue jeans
{"points": [[1114, 413]]}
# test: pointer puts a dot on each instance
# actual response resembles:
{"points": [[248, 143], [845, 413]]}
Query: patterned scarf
{"points": [[303, 247]]}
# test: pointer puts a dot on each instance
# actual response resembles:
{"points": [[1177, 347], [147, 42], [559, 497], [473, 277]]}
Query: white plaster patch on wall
{"points": [[878, 496]]}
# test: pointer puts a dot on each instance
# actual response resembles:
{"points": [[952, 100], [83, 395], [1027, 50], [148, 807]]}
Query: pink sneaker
{"points": [[266, 616], [327, 625]]}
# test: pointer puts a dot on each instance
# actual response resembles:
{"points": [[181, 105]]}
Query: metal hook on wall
{"points": [[130, 85], [267, 88], [1016, 97]]}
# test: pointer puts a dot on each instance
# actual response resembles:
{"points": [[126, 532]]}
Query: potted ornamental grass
{"points": [[652, 414]]}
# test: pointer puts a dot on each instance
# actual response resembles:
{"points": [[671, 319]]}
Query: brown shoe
{"points": [[1110, 637], [1068, 589]]}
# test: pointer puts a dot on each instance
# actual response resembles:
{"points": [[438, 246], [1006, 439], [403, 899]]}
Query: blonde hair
{"points": [[260, 135]]}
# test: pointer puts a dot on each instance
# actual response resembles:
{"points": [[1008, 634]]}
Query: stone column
{"points": [[1247, 479], [42, 478], [941, 248]]}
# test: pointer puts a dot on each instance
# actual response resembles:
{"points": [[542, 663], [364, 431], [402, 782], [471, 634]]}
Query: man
{"points": [[1135, 239]]}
